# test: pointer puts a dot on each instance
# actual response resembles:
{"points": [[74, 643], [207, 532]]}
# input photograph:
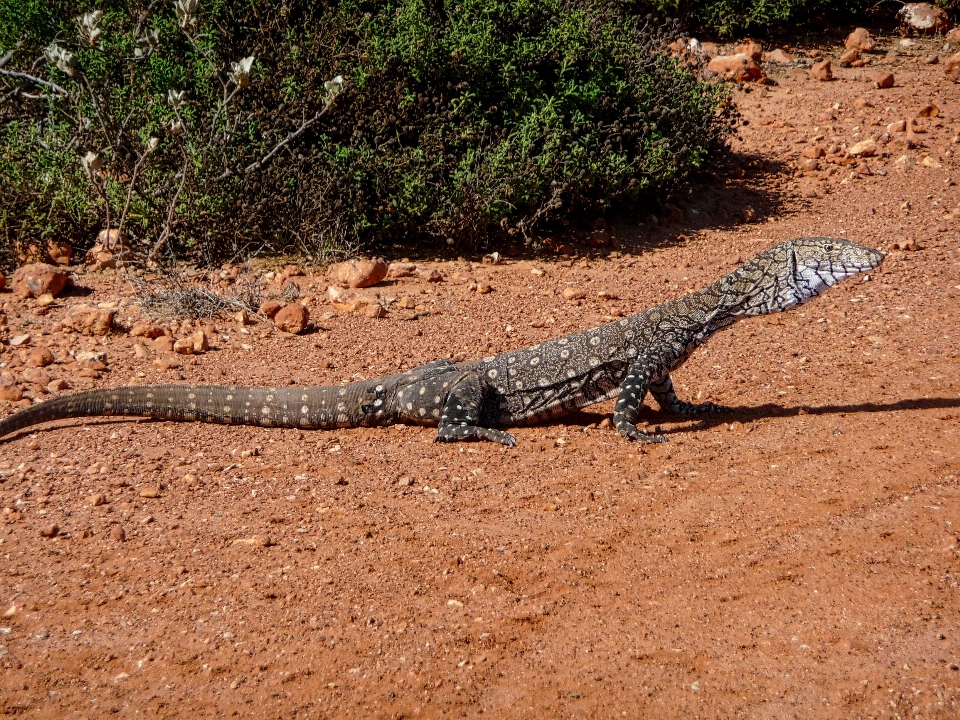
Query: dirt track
{"points": [[797, 559]]}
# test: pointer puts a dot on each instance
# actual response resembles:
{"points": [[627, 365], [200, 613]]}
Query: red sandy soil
{"points": [[796, 559]]}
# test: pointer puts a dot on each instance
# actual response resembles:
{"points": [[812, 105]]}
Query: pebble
{"points": [[884, 80], [255, 541], [407, 303], [50, 531], [183, 346], [270, 308], [89, 320], [897, 126], [45, 300], [60, 252], [864, 148], [430, 275], [349, 301], [86, 356], [39, 357], [35, 375], [294, 318], [147, 330], [401, 270], [242, 317], [38, 279], [18, 340], [10, 391], [141, 351], [150, 491], [809, 165], [58, 385], [166, 361], [822, 71], [358, 273], [849, 57], [928, 110], [98, 500], [736, 68], [780, 57], [572, 293], [164, 343]]}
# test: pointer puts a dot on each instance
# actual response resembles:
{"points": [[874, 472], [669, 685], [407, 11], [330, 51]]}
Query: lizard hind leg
{"points": [[461, 415], [666, 397]]}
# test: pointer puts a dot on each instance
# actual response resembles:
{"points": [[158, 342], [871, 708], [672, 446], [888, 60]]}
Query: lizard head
{"points": [[796, 271], [823, 262]]}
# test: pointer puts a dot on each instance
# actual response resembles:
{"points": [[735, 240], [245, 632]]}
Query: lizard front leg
{"points": [[462, 411], [632, 391], [664, 394]]}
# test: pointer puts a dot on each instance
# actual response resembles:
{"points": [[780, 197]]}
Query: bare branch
{"points": [[31, 78], [165, 234], [280, 145]]}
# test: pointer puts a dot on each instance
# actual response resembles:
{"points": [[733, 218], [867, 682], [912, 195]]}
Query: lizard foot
{"points": [[471, 432], [632, 432]]}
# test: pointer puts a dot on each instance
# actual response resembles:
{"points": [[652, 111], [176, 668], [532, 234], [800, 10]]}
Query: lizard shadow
{"points": [[742, 413]]}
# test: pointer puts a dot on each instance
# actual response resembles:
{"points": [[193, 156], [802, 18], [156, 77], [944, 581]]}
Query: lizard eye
{"points": [[828, 248]]}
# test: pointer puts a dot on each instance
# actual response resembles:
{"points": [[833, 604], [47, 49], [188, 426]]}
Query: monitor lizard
{"points": [[476, 399]]}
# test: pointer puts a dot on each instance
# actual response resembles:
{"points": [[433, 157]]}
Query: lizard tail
{"points": [[350, 405]]}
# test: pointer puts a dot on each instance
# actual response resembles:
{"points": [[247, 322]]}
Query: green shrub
{"points": [[467, 121]]}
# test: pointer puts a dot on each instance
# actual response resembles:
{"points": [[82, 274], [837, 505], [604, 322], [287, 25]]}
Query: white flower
{"points": [[175, 98], [152, 144], [60, 57], [241, 71], [91, 161], [333, 87], [186, 10], [90, 26], [175, 127]]}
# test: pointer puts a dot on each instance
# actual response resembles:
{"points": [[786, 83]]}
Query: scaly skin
{"points": [[474, 399]]}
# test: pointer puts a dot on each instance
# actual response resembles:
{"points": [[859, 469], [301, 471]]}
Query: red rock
{"points": [[813, 151], [37, 279], [10, 391], [146, 330], [778, 56], [924, 17], [270, 308], [294, 318], [166, 361], [292, 271], [111, 250], [401, 270], [349, 301], [850, 56], [861, 102], [430, 275], [58, 385], [35, 376], [163, 343], [89, 320], [60, 252], [953, 36], [358, 273], [50, 531], [951, 66], [39, 357], [750, 48], [864, 148], [860, 39], [809, 165], [822, 71], [928, 110], [748, 214], [884, 80], [201, 343], [183, 346], [736, 68]]}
